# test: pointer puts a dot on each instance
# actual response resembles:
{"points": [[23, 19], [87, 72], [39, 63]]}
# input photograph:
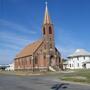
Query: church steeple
{"points": [[47, 17], [48, 31]]}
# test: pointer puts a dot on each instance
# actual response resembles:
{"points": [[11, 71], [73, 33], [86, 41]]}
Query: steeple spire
{"points": [[47, 17]]}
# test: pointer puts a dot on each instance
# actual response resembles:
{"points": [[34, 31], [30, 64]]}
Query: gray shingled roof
{"points": [[79, 52]]}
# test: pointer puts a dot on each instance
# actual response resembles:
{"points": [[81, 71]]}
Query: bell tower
{"points": [[48, 32]]}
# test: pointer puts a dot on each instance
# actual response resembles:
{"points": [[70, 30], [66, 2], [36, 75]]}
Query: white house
{"points": [[79, 59], [10, 67]]}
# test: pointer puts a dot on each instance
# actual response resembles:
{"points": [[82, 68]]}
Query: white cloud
{"points": [[6, 56], [65, 51], [12, 37], [11, 42], [16, 27]]}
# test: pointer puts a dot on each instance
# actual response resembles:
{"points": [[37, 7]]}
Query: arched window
{"points": [[36, 60], [44, 55], [44, 30], [50, 30], [50, 45], [44, 46], [29, 60], [59, 60]]}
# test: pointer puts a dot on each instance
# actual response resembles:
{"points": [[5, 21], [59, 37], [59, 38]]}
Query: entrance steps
{"points": [[52, 69]]}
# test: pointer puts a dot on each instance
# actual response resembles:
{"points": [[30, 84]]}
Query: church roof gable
{"points": [[29, 49]]}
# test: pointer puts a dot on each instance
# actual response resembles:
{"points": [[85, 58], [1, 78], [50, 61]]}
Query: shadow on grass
{"points": [[60, 86]]}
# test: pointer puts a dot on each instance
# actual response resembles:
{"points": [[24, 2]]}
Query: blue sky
{"points": [[21, 22]]}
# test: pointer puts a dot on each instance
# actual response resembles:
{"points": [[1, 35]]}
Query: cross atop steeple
{"points": [[47, 17], [46, 3]]}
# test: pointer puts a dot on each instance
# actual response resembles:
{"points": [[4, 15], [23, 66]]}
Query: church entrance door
{"points": [[52, 61]]}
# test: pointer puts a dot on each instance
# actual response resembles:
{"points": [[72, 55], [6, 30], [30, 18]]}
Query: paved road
{"points": [[36, 83]]}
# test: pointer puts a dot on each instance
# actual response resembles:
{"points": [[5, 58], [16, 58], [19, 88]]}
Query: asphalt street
{"points": [[9, 82]]}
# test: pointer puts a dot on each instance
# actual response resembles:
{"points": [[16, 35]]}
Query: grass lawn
{"points": [[78, 76]]}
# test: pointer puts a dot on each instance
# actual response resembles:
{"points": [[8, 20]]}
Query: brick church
{"points": [[41, 55]]}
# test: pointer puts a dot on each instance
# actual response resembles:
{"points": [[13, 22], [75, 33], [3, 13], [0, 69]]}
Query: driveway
{"points": [[11, 82]]}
